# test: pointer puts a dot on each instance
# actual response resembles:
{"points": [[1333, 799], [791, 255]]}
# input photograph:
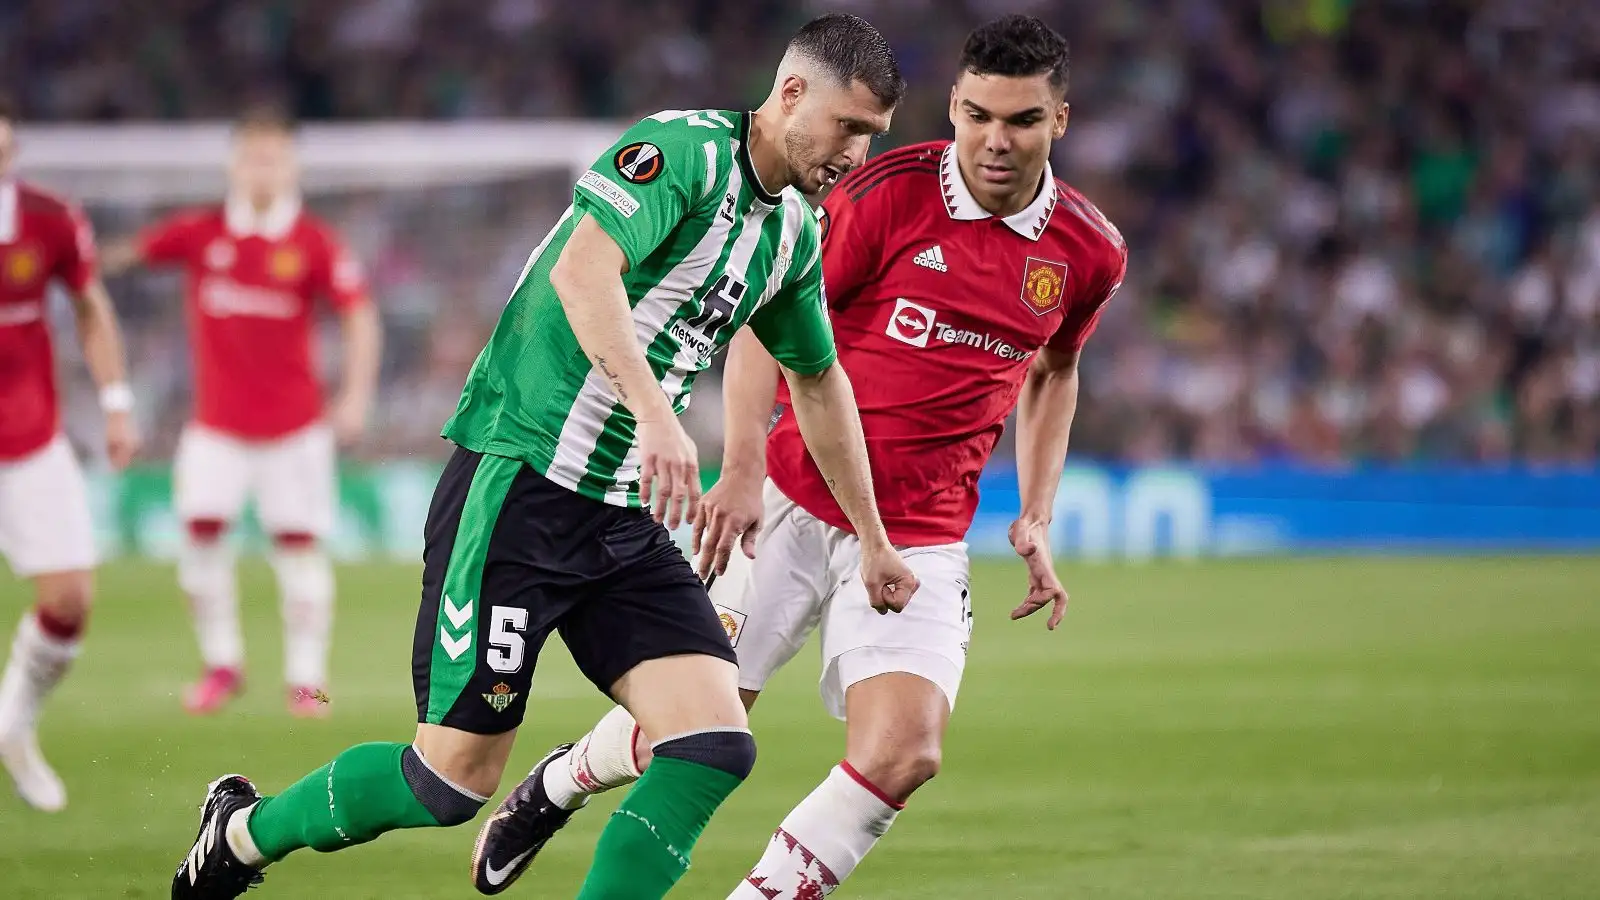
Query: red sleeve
{"points": [[76, 264], [850, 247], [339, 275], [171, 241], [1083, 316]]}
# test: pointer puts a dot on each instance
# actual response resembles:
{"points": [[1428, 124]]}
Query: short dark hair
{"points": [[852, 50], [264, 117], [1017, 46]]}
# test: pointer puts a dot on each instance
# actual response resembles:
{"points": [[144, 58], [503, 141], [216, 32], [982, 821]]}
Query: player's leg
{"points": [[894, 679], [211, 476], [47, 535], [654, 640], [471, 694], [616, 751], [296, 490]]}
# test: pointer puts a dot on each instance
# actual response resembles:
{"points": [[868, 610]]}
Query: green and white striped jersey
{"points": [[709, 250]]}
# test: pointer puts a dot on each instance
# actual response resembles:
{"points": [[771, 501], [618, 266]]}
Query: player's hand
{"points": [[890, 583], [348, 415], [669, 471], [729, 511], [1031, 542], [122, 439]]}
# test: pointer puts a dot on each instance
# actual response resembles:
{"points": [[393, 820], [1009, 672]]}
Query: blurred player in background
{"points": [[46, 534], [963, 280], [256, 266], [570, 457]]}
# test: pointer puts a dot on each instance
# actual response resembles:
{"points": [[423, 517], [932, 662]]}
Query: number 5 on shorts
{"points": [[506, 648]]}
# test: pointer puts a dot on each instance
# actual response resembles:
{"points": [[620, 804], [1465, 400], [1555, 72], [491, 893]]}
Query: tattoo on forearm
{"points": [[616, 383]]}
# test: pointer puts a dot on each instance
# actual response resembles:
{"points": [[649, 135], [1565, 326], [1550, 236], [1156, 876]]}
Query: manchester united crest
{"points": [[501, 697], [1043, 282], [23, 266], [732, 622], [286, 264]]}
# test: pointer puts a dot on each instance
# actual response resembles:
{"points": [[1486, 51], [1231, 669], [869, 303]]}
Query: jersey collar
{"points": [[747, 166], [273, 225], [963, 207], [8, 211]]}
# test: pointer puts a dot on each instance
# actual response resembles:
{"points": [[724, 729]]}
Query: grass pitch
{"points": [[1309, 729]]}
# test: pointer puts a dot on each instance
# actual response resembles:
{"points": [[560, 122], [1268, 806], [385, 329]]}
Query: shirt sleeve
{"points": [[647, 182], [340, 276], [76, 264], [851, 247], [170, 241], [1083, 317], [794, 326]]}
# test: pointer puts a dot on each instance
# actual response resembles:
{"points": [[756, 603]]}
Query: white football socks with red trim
{"points": [[822, 840]]}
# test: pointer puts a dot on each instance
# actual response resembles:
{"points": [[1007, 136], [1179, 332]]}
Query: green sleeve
{"points": [[645, 184], [794, 326]]}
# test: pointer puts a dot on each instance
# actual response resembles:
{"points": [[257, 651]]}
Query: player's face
{"points": [[1004, 129], [263, 167], [8, 140], [830, 131]]}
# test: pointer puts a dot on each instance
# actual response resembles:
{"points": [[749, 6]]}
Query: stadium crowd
{"points": [[1358, 229]]}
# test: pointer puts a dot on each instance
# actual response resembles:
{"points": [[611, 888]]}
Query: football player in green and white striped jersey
{"points": [[570, 459]]}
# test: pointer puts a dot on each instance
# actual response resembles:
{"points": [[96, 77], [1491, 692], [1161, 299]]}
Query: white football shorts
{"points": [[45, 524], [292, 479], [808, 573]]}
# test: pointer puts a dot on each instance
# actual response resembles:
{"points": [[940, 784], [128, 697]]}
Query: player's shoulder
{"points": [[40, 201], [1085, 218], [687, 126], [895, 171], [313, 227]]}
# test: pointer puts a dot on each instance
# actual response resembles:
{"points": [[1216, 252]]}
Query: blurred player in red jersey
{"points": [[45, 530], [257, 265], [963, 280]]}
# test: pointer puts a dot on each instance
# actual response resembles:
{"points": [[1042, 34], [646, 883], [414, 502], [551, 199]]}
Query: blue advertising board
{"points": [[1114, 512]]}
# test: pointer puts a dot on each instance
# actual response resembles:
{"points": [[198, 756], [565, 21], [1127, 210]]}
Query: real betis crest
{"points": [[501, 697]]}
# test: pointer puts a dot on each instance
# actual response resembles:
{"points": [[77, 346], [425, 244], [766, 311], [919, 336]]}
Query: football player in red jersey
{"points": [[46, 533], [962, 280], [257, 266]]}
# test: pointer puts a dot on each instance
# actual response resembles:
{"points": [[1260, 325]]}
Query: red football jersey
{"points": [[252, 285], [42, 238], [938, 310]]}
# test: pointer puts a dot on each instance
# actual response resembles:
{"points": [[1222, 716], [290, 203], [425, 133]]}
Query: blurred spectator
{"points": [[1359, 229]]}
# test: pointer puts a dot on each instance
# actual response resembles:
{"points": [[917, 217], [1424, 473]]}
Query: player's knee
{"points": [[206, 531], [291, 541], [64, 601], [449, 804], [727, 750], [900, 771]]}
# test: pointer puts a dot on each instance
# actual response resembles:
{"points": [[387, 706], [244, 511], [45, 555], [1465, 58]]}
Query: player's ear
{"points": [[952, 105], [1061, 120], [790, 92]]}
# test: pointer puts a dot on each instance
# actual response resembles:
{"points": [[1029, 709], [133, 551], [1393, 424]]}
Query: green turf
{"points": [[1311, 730]]}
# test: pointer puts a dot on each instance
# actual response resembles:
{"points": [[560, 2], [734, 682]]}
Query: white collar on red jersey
{"points": [[9, 216], [274, 224], [963, 207]]}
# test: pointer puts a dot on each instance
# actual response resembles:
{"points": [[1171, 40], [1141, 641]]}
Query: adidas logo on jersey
{"points": [[932, 258]]}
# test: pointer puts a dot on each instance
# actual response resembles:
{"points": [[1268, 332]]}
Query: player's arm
{"points": [[626, 209], [795, 329], [731, 510], [361, 334], [1045, 410], [168, 241], [102, 341]]}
